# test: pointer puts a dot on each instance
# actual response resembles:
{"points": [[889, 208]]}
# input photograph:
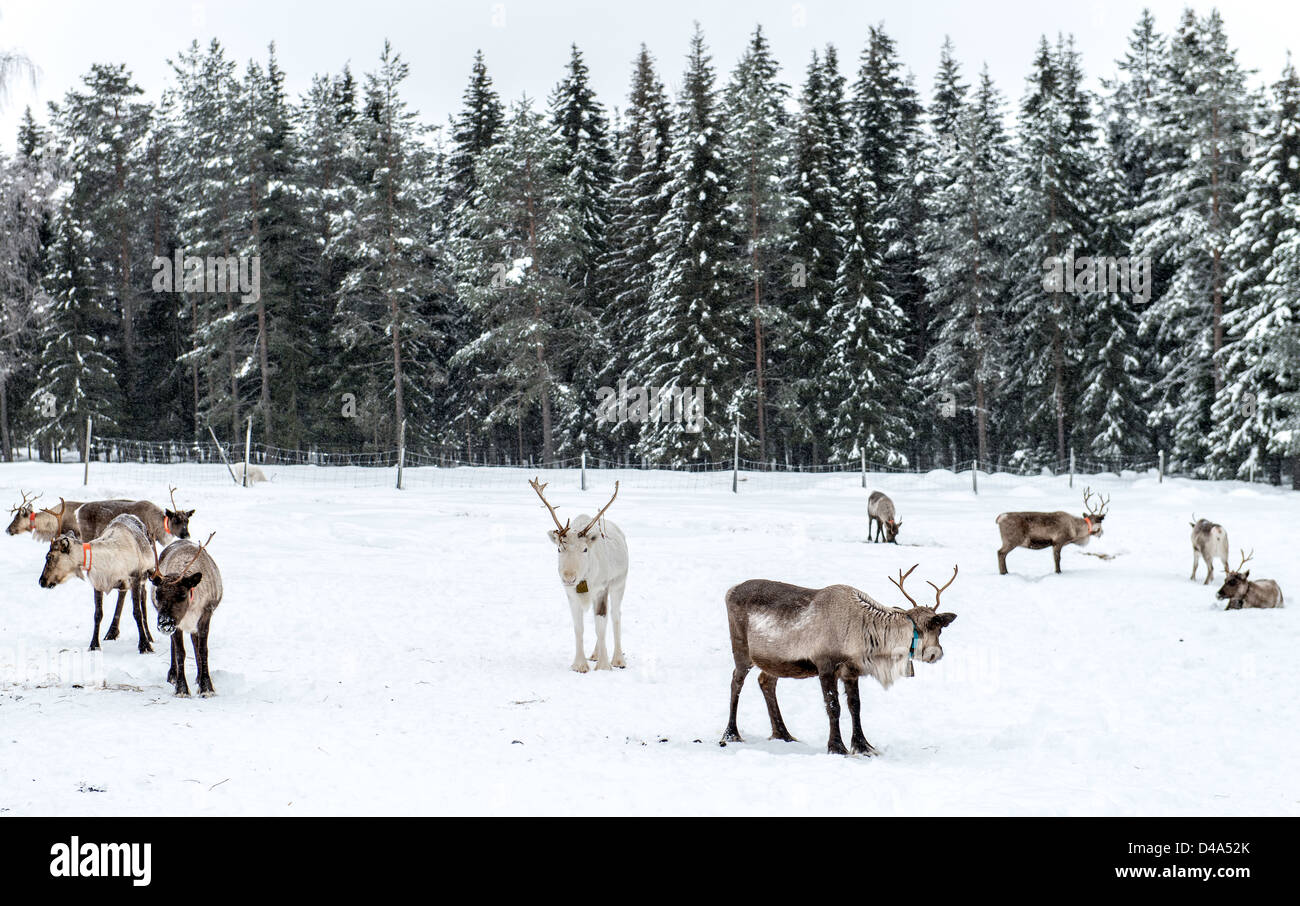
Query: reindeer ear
{"points": [[189, 513], [943, 619], [191, 580], [1246, 574]]}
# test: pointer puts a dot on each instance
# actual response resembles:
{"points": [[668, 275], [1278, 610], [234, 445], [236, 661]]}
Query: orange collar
{"points": [[32, 518], [1089, 521], [87, 557], [167, 526]]}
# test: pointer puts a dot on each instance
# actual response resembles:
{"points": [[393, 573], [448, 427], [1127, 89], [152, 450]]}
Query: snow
{"points": [[407, 652]]}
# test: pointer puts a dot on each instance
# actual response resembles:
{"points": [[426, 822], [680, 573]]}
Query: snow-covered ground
{"points": [[407, 652]]}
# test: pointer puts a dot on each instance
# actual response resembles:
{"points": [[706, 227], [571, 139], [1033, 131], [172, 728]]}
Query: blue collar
{"points": [[915, 636]]}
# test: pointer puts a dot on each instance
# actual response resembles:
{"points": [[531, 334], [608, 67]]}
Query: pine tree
{"points": [[1204, 109], [476, 130], [1252, 412], [966, 255], [697, 321]]}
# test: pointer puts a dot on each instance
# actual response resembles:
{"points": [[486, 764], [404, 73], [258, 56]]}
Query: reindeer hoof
{"points": [[95, 647], [110, 635], [146, 648], [836, 749], [730, 736], [603, 665], [783, 737], [579, 666], [182, 693], [865, 748], [619, 663], [207, 693]]}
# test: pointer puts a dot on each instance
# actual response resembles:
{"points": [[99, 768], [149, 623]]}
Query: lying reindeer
{"points": [[185, 597], [1209, 540], [593, 569], [119, 558], [44, 524], [1055, 530], [881, 517], [833, 632], [1240, 592]]}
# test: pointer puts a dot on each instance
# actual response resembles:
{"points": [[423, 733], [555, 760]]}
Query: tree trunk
{"points": [[4, 421]]}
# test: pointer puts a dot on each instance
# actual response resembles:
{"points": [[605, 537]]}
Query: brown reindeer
{"points": [[185, 597], [92, 517], [1055, 530], [1240, 592], [832, 633], [119, 558], [881, 517]]}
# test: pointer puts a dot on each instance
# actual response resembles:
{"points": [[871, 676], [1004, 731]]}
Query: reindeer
{"points": [[1209, 540], [880, 515], [185, 599], [1055, 530], [837, 631], [161, 525], [1240, 592], [593, 568], [119, 558]]}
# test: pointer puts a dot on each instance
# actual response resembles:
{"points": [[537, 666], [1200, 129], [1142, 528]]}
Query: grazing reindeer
{"points": [[185, 597], [1055, 530], [119, 558], [1209, 540], [833, 632], [881, 516], [1240, 592], [593, 568]]}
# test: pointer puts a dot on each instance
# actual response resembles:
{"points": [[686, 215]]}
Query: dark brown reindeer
{"points": [[1240, 592], [1055, 530], [832, 633], [92, 517], [185, 597], [118, 558], [881, 517]]}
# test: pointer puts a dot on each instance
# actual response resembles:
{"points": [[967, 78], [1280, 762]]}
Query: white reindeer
{"points": [[593, 568]]}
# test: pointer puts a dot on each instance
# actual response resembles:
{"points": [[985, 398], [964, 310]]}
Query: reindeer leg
{"points": [[200, 642], [1002, 560], [178, 664], [117, 616], [616, 614], [1196, 560], [858, 741], [831, 695], [137, 607], [767, 683], [1209, 571], [732, 733], [602, 616], [579, 662], [99, 615], [1056, 556]]}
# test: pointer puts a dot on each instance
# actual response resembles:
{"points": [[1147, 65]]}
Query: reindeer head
{"points": [[573, 547], [1094, 514], [62, 561], [1237, 583], [173, 592], [891, 529], [177, 521], [22, 521], [927, 620]]}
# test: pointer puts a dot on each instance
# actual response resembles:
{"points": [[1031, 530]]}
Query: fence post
{"points": [[735, 460], [85, 478], [222, 453], [583, 478], [248, 438], [974, 469], [401, 452], [1072, 467], [864, 467], [1162, 467]]}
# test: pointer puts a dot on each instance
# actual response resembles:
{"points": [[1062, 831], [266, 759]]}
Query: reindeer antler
{"points": [[1087, 498], [937, 590], [1244, 559], [26, 501], [181, 574], [172, 491], [561, 529], [601, 513], [902, 577]]}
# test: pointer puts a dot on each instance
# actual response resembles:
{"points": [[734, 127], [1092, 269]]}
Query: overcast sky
{"points": [[526, 41]]}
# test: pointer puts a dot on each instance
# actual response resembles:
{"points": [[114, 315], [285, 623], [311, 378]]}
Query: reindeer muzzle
{"points": [[166, 625]]}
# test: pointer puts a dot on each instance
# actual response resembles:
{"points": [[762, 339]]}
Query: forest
{"points": [[848, 266]]}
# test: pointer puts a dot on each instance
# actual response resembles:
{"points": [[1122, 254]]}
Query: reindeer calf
{"points": [[186, 590], [1209, 540], [881, 517], [1240, 592], [118, 559]]}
